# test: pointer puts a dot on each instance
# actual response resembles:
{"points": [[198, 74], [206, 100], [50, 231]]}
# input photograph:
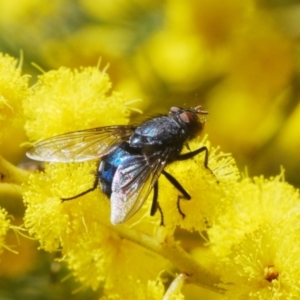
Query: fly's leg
{"points": [[194, 153], [189, 155], [95, 185], [176, 184], [185, 195], [155, 204]]}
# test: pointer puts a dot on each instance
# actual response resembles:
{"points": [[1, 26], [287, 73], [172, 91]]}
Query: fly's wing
{"points": [[133, 182], [80, 145]]}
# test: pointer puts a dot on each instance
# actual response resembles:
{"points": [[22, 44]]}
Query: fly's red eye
{"points": [[191, 121], [189, 117], [186, 117]]}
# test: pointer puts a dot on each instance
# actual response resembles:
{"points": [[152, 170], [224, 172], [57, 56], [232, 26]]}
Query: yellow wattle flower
{"points": [[256, 240], [67, 100], [4, 226], [13, 89]]}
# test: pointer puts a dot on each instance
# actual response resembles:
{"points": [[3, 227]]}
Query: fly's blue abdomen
{"points": [[109, 165]]}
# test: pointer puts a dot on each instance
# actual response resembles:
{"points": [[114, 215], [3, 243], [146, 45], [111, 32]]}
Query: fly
{"points": [[131, 157]]}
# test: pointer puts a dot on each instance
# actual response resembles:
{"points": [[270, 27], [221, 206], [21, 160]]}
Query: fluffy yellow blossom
{"points": [[67, 100], [255, 202], [49, 219], [256, 240], [13, 88], [4, 226], [265, 264]]}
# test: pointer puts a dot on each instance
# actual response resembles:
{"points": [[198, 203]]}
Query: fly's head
{"points": [[191, 120]]}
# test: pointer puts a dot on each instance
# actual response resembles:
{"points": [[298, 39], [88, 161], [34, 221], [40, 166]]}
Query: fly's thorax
{"points": [[161, 131]]}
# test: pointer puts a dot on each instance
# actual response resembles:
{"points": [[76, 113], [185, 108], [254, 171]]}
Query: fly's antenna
{"points": [[200, 111]]}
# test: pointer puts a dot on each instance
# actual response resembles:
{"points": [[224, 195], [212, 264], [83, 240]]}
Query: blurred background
{"points": [[238, 59]]}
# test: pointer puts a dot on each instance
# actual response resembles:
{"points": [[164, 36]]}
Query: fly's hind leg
{"points": [[95, 185]]}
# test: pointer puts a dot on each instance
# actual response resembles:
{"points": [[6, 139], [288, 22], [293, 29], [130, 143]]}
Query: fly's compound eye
{"points": [[188, 118], [191, 121]]}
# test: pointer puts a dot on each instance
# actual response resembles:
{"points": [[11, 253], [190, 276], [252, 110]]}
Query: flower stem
{"points": [[11, 174], [185, 263], [175, 287]]}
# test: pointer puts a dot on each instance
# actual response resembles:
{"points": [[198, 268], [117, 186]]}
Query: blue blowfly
{"points": [[131, 157]]}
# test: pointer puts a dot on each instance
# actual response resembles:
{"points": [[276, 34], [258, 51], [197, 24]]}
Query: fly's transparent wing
{"points": [[133, 182], [80, 145]]}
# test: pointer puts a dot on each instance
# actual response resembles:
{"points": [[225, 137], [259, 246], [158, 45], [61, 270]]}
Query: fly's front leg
{"points": [[189, 155]]}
